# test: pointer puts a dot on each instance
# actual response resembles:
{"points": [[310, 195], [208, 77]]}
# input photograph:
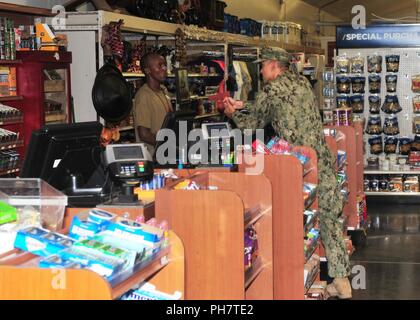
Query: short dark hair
{"points": [[144, 61]]}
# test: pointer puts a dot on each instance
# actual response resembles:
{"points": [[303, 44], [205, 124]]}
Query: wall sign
{"points": [[379, 36]]}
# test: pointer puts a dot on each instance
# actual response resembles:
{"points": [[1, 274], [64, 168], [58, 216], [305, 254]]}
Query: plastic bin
{"points": [[35, 196]]}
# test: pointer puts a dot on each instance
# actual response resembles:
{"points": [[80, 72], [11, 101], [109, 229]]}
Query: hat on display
{"points": [[278, 54], [111, 94]]}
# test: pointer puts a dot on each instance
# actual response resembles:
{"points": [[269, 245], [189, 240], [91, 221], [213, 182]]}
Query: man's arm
{"points": [[146, 135], [258, 113]]}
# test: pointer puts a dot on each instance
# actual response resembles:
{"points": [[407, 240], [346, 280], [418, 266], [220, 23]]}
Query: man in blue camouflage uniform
{"points": [[289, 105]]}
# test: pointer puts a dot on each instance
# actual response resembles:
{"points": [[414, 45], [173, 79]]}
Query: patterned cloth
{"points": [[289, 105]]}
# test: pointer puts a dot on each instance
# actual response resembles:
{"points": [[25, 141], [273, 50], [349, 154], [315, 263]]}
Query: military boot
{"points": [[340, 288]]}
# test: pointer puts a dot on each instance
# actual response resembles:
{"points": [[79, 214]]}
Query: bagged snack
{"points": [[391, 144], [391, 82], [415, 145], [374, 104], [415, 83], [343, 102], [405, 146], [343, 64], [357, 103], [358, 84], [392, 63], [374, 125], [391, 125], [375, 143], [391, 104], [375, 83], [357, 64], [343, 84], [416, 104], [416, 125], [374, 64]]}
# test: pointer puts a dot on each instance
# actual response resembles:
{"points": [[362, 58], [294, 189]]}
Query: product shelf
{"points": [[252, 215], [11, 98], [208, 115], [11, 145], [311, 251], [2, 61], [312, 223], [407, 194], [18, 120], [252, 273], [311, 279], [383, 172], [9, 171]]}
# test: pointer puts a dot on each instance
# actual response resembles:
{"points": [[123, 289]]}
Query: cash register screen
{"points": [[122, 153], [216, 130]]}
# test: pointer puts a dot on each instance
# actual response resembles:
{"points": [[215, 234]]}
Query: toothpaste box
{"points": [[41, 242]]}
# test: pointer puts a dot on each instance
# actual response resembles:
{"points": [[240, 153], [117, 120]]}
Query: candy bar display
{"points": [[374, 125], [376, 145], [374, 64], [374, 104], [391, 83], [391, 125], [9, 159], [343, 85], [392, 63], [416, 125], [375, 83], [357, 64], [358, 84], [389, 183], [357, 103], [391, 104]]}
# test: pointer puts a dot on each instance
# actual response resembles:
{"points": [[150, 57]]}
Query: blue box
{"points": [[41, 242], [128, 229]]}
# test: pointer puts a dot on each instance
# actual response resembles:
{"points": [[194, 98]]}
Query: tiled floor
{"points": [[391, 257]]}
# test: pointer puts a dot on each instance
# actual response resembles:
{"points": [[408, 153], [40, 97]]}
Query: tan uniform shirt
{"points": [[150, 109]]}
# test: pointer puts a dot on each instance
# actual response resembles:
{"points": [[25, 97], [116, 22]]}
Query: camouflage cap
{"points": [[278, 54]]}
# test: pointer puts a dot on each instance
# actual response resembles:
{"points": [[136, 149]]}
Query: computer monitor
{"points": [[68, 157]]}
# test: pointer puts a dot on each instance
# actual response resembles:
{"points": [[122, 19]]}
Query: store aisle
{"points": [[391, 256]]}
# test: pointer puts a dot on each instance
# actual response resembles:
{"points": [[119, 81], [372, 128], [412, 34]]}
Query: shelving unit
{"points": [[20, 279], [286, 175], [211, 226]]}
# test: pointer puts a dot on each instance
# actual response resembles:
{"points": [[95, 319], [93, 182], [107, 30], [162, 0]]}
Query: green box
{"points": [[7, 213]]}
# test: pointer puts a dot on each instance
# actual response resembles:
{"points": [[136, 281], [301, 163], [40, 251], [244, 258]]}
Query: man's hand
{"points": [[231, 106]]}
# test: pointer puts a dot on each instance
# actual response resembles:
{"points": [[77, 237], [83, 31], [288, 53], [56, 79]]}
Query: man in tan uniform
{"points": [[151, 102]]}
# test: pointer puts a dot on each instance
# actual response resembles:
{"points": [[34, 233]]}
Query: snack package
{"points": [[411, 184], [374, 64], [357, 103], [343, 85], [416, 104], [358, 84], [357, 64], [396, 184], [391, 127], [415, 144], [374, 185], [374, 104], [376, 145], [391, 144], [343, 64], [374, 125], [392, 63], [383, 184], [416, 125], [391, 83], [405, 145], [391, 104], [343, 102], [374, 83], [415, 83]]}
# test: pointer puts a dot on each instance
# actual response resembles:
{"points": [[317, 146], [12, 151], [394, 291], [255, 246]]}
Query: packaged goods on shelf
{"points": [[311, 269], [7, 136], [318, 291], [9, 113], [251, 247], [41, 242], [7, 213], [9, 160]]}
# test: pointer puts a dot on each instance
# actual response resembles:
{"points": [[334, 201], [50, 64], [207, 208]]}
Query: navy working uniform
{"points": [[289, 105]]}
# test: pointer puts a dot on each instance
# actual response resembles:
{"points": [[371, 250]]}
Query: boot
{"points": [[340, 288]]}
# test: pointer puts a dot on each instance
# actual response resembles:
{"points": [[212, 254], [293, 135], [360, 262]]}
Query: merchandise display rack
{"points": [[211, 225], [21, 279], [287, 176]]}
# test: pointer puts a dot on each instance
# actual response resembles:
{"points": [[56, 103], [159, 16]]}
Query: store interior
{"points": [[124, 161]]}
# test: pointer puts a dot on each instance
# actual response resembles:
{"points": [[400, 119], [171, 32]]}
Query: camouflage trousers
{"points": [[330, 208]]}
